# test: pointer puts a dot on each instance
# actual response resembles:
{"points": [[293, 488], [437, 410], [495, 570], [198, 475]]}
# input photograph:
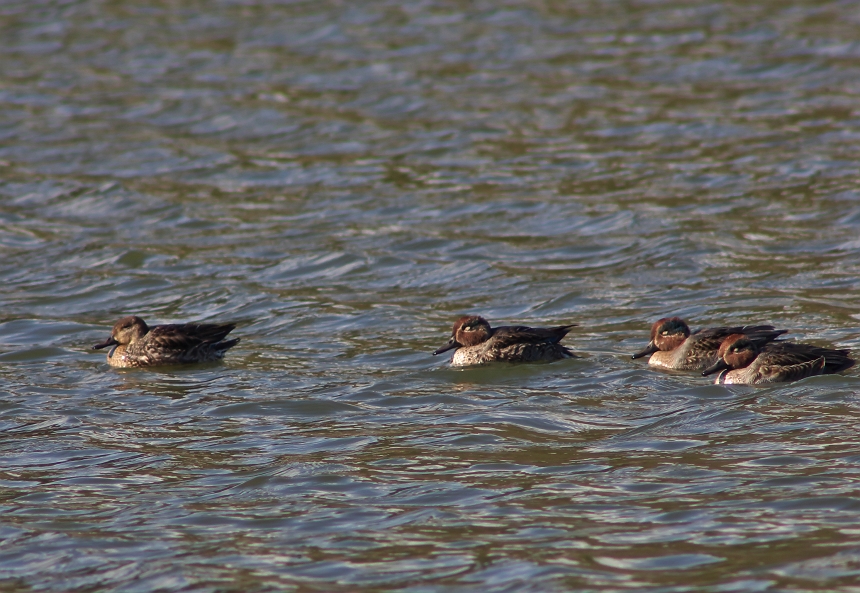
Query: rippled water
{"points": [[343, 180]]}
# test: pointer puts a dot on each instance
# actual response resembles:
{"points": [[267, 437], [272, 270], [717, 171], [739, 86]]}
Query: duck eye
{"points": [[664, 333]]}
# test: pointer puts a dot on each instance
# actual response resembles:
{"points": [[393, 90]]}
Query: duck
{"points": [[672, 346], [134, 344], [742, 361], [475, 343]]}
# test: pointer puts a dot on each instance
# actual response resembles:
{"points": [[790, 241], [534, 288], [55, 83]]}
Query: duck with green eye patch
{"points": [[672, 346], [477, 343], [742, 361]]}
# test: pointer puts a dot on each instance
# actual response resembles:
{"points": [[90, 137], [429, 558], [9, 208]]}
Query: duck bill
{"points": [[651, 348], [720, 365], [449, 346], [109, 342]]}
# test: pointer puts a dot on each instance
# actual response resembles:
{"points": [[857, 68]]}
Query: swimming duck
{"points": [[673, 347], [134, 344], [743, 361], [477, 343]]}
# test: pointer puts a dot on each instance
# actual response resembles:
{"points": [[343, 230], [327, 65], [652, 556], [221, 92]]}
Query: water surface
{"points": [[343, 180]]}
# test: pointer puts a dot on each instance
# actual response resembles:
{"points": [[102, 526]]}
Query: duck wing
{"points": [[762, 334], [186, 336], [712, 337], [795, 372], [792, 353], [520, 334]]}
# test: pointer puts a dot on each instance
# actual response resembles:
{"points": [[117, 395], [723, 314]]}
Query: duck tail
{"points": [[837, 361], [224, 346]]}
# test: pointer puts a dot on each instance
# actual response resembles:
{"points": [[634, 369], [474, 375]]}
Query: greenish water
{"points": [[343, 180]]}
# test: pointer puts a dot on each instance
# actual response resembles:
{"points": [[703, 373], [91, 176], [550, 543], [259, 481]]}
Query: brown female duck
{"points": [[134, 344]]}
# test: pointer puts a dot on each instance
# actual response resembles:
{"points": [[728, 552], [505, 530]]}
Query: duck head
{"points": [[666, 334], [469, 330], [125, 331], [736, 352]]}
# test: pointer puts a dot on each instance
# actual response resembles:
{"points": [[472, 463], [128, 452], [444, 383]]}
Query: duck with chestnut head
{"points": [[742, 361], [478, 343], [672, 346]]}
